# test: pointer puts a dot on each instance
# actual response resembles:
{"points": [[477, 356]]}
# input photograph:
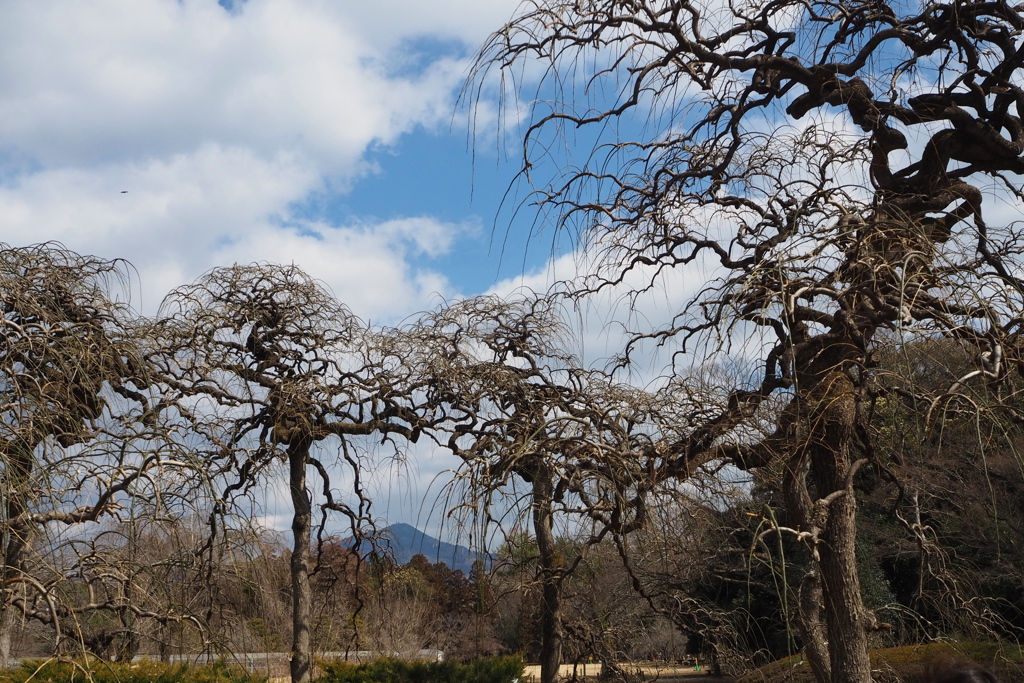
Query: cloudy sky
{"points": [[187, 134], [182, 135]]}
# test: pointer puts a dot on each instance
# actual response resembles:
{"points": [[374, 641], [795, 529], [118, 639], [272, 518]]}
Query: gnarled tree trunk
{"points": [[550, 565], [302, 654]]}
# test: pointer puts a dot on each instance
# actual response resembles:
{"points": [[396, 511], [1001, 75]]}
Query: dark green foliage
{"points": [[96, 671], [494, 670]]}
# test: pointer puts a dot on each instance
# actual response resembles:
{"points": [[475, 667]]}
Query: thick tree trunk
{"points": [[550, 564], [813, 631], [832, 426], [7, 624], [302, 655], [844, 610], [17, 541]]}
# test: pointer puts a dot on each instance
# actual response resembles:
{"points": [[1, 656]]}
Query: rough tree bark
{"points": [[550, 565], [302, 595]]}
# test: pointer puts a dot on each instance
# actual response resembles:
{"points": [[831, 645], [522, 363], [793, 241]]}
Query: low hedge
{"points": [[97, 671], [492, 670], [906, 663]]}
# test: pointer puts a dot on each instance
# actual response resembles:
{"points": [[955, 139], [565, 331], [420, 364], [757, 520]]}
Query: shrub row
{"points": [[493, 670], [96, 671]]}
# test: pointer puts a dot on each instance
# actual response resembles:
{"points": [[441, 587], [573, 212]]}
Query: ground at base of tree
{"points": [[898, 664], [663, 673]]}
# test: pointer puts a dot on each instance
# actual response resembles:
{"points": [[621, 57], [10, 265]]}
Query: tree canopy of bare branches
{"points": [[524, 415], [79, 443], [830, 162], [266, 366]]}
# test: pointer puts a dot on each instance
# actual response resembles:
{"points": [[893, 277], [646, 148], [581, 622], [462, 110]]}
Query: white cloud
{"points": [[217, 123], [645, 300], [121, 78], [366, 266], [218, 207], [469, 21], [177, 211]]}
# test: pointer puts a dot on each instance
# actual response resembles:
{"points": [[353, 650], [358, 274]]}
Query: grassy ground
{"points": [[892, 665], [900, 664]]}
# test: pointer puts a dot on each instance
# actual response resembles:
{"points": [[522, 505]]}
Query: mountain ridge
{"points": [[404, 541]]}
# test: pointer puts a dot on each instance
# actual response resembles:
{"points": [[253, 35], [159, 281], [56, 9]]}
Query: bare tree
{"points": [[400, 617], [829, 160], [78, 442], [525, 416], [268, 367]]}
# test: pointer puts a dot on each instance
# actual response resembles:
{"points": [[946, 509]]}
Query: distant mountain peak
{"points": [[406, 540]]}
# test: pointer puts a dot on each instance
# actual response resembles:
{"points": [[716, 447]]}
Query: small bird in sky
{"points": [[124, 191]]}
